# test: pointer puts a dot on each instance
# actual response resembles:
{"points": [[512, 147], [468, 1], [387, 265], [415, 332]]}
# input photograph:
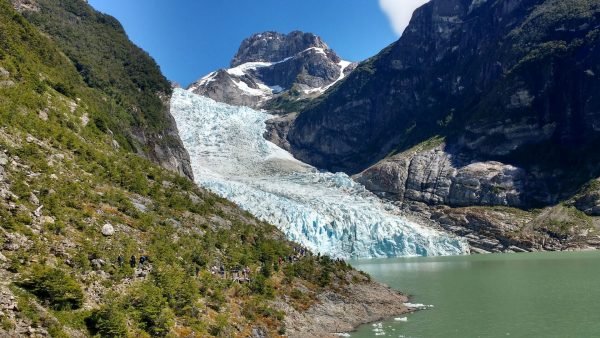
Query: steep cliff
{"points": [[496, 79]]}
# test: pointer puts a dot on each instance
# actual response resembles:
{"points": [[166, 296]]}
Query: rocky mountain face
{"points": [[479, 103], [436, 177], [276, 71], [104, 56]]}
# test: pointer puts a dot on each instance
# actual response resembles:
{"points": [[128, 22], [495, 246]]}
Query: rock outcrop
{"points": [[437, 177], [165, 147], [588, 200], [273, 46], [276, 71], [278, 128], [5, 78], [345, 310]]}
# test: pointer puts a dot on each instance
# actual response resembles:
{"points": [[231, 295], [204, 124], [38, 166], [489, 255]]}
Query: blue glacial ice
{"points": [[326, 212]]}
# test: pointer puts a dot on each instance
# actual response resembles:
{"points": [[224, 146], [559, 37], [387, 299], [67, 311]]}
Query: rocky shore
{"points": [[345, 309]]}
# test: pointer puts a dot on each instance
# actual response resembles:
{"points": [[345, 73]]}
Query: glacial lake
{"points": [[501, 295]]}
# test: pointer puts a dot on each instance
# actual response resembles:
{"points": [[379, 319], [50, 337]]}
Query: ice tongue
{"points": [[327, 212]]}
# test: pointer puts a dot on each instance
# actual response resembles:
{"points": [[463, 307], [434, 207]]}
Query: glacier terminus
{"points": [[328, 213]]}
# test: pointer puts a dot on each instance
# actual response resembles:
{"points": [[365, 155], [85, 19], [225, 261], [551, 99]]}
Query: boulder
{"points": [[6, 83], [43, 114], [98, 263], [3, 159], [33, 199], [4, 74], [108, 230]]}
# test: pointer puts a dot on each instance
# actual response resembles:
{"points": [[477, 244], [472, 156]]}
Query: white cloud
{"points": [[400, 11]]}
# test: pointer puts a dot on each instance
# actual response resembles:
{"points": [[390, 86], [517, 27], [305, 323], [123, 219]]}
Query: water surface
{"points": [[504, 295]]}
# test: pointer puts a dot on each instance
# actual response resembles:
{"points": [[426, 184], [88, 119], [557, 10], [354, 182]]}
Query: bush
{"points": [[262, 286], [54, 286], [151, 309], [179, 289], [108, 321]]}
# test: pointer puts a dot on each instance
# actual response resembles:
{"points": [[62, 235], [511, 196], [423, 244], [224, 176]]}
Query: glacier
{"points": [[326, 212]]}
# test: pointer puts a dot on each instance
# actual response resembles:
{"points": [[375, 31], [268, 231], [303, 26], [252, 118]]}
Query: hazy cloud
{"points": [[400, 11]]}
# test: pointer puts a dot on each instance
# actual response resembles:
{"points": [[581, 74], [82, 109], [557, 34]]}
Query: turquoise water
{"points": [[503, 295]]}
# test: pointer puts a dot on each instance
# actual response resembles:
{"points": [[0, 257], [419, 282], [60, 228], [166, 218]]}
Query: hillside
{"points": [[127, 76], [74, 197], [479, 104]]}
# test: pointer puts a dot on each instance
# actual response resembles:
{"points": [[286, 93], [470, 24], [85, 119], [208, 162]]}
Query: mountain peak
{"points": [[273, 46], [275, 71]]}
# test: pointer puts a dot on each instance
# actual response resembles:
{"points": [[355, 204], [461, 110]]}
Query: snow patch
{"points": [[247, 90], [242, 69], [343, 65], [316, 49], [276, 89]]}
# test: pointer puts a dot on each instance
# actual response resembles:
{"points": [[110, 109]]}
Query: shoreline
{"points": [[345, 310]]}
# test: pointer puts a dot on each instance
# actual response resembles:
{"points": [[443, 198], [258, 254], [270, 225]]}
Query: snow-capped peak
{"points": [[272, 68]]}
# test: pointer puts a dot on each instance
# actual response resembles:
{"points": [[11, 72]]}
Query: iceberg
{"points": [[326, 212]]}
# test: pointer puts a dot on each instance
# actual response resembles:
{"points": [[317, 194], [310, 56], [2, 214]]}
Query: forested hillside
{"points": [[77, 203]]}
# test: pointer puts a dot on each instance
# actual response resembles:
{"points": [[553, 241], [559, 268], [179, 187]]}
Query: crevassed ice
{"points": [[328, 213]]}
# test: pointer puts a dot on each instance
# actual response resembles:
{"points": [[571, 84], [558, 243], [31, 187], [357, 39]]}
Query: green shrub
{"points": [[262, 286], [151, 309], [220, 326], [108, 321], [177, 287], [54, 286]]}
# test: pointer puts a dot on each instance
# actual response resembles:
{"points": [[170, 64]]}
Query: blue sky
{"points": [[190, 38]]}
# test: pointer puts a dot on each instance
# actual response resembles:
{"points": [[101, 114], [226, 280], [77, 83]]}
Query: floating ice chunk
{"points": [[401, 319], [418, 306], [378, 329]]}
